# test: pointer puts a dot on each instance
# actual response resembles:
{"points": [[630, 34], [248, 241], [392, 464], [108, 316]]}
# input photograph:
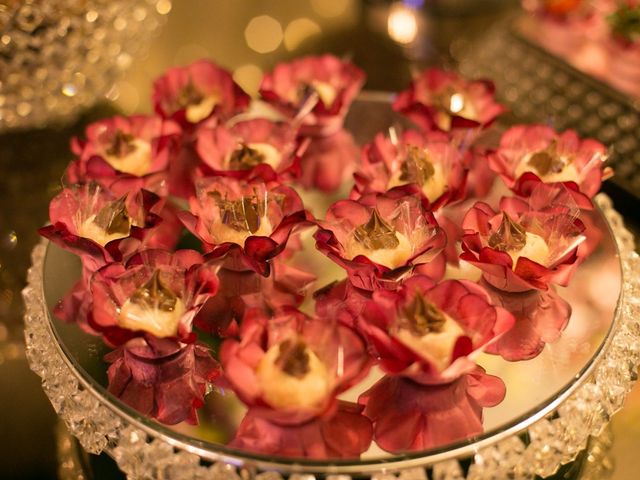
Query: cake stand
{"points": [[555, 403]]}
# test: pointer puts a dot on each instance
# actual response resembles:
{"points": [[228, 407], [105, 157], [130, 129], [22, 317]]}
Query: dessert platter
{"points": [[559, 63], [327, 282]]}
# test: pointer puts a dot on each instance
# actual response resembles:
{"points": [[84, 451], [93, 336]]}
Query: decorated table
{"points": [[317, 280]]}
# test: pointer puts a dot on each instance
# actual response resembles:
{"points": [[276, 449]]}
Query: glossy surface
{"points": [[532, 385], [31, 164]]}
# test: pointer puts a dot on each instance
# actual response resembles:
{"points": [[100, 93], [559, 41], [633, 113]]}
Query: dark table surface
{"points": [[32, 162]]}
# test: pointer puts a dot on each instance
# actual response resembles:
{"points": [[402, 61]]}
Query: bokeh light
{"points": [[330, 8], [248, 77], [263, 34], [402, 23], [298, 31]]}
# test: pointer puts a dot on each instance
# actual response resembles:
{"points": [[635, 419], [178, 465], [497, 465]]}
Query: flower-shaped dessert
{"points": [[241, 290], [381, 236], [345, 434], [251, 220], [560, 8], [328, 161], [317, 91], [431, 332], [565, 27], [76, 305], [427, 160], [342, 301], [442, 100], [162, 378], [527, 150], [541, 317], [289, 368], [196, 92], [408, 416], [624, 47], [137, 146], [525, 245], [238, 149], [155, 293], [91, 222]]}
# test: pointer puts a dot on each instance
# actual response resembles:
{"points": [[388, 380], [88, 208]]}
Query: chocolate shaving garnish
{"points": [[423, 317], [293, 358], [245, 157], [244, 215], [548, 161], [113, 218], [121, 145], [155, 295], [376, 234], [189, 95], [510, 235], [416, 166]]}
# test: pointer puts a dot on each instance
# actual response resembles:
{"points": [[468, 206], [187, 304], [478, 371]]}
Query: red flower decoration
{"points": [[381, 236], [408, 416], [342, 301], [139, 147], [192, 94], [250, 221], [317, 91], [239, 149], [155, 293], [557, 8], [541, 316], [289, 368], [346, 434], [528, 151], [527, 244], [329, 161], [76, 305], [441, 100], [242, 290], [428, 160], [99, 227], [431, 332], [162, 378]]}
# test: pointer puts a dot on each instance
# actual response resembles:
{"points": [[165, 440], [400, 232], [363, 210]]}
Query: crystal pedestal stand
{"points": [[552, 438]]}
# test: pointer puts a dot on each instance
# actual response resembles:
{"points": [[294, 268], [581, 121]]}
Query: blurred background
{"points": [[389, 40]]}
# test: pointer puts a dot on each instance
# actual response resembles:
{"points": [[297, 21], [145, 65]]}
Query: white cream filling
{"points": [[437, 347], [464, 271], [389, 257], [197, 112], [567, 174], [284, 391], [325, 91], [224, 233], [89, 229], [270, 153], [535, 249], [138, 162], [158, 322], [435, 185]]}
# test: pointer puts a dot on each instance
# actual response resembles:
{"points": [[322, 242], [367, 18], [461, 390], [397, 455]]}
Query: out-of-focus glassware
{"points": [[58, 56]]}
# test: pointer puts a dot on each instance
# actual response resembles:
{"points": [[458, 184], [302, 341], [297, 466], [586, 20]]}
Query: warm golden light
{"points": [[330, 8], [402, 24], [163, 7], [263, 34], [456, 104], [248, 77], [298, 31]]}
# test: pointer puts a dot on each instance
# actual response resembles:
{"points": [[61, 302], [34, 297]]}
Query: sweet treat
{"points": [[204, 270]]}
